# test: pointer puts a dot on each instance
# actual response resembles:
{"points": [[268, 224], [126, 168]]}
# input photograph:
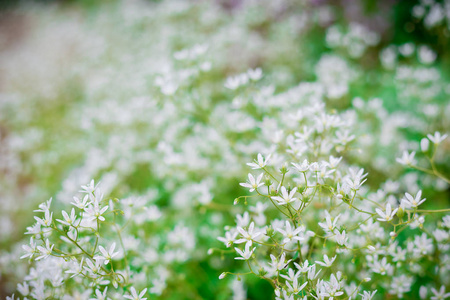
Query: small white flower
{"points": [[334, 161], [135, 296], [302, 268], [367, 295], [229, 238], [386, 215], [45, 206], [255, 74], [252, 183], [341, 238], [327, 262], [72, 220], [30, 250], [93, 267], [439, 295], [249, 235], [45, 251], [94, 212], [76, 268], [89, 188], [407, 158], [286, 197], [81, 204], [290, 234], [382, 267], [295, 288], [47, 220], [260, 162], [24, 289], [100, 295], [437, 138], [303, 167], [246, 254], [410, 201], [107, 255], [330, 224], [291, 275], [232, 83], [312, 272], [279, 264]]}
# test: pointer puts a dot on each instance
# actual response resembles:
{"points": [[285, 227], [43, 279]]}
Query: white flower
{"points": [[232, 83], [107, 255], [229, 238], [252, 183], [312, 272], [437, 138], [246, 254], [341, 238], [290, 234], [94, 212], [302, 268], [327, 261], [76, 268], [439, 295], [255, 74], [294, 288], [30, 250], [81, 204], [422, 244], [68, 220], [99, 295], [329, 225], [45, 251], [134, 295], [249, 235], [89, 188], [260, 162], [382, 267], [286, 197], [386, 215], [407, 158], [93, 267], [426, 55], [334, 161], [47, 220], [303, 167], [24, 289], [279, 264], [410, 201], [45, 206], [367, 295], [354, 184], [291, 275]]}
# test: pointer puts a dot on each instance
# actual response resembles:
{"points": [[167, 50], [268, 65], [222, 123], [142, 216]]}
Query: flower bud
{"points": [[262, 272], [400, 212], [424, 144]]}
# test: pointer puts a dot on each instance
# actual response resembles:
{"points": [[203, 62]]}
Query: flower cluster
{"points": [[281, 240], [337, 130]]}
